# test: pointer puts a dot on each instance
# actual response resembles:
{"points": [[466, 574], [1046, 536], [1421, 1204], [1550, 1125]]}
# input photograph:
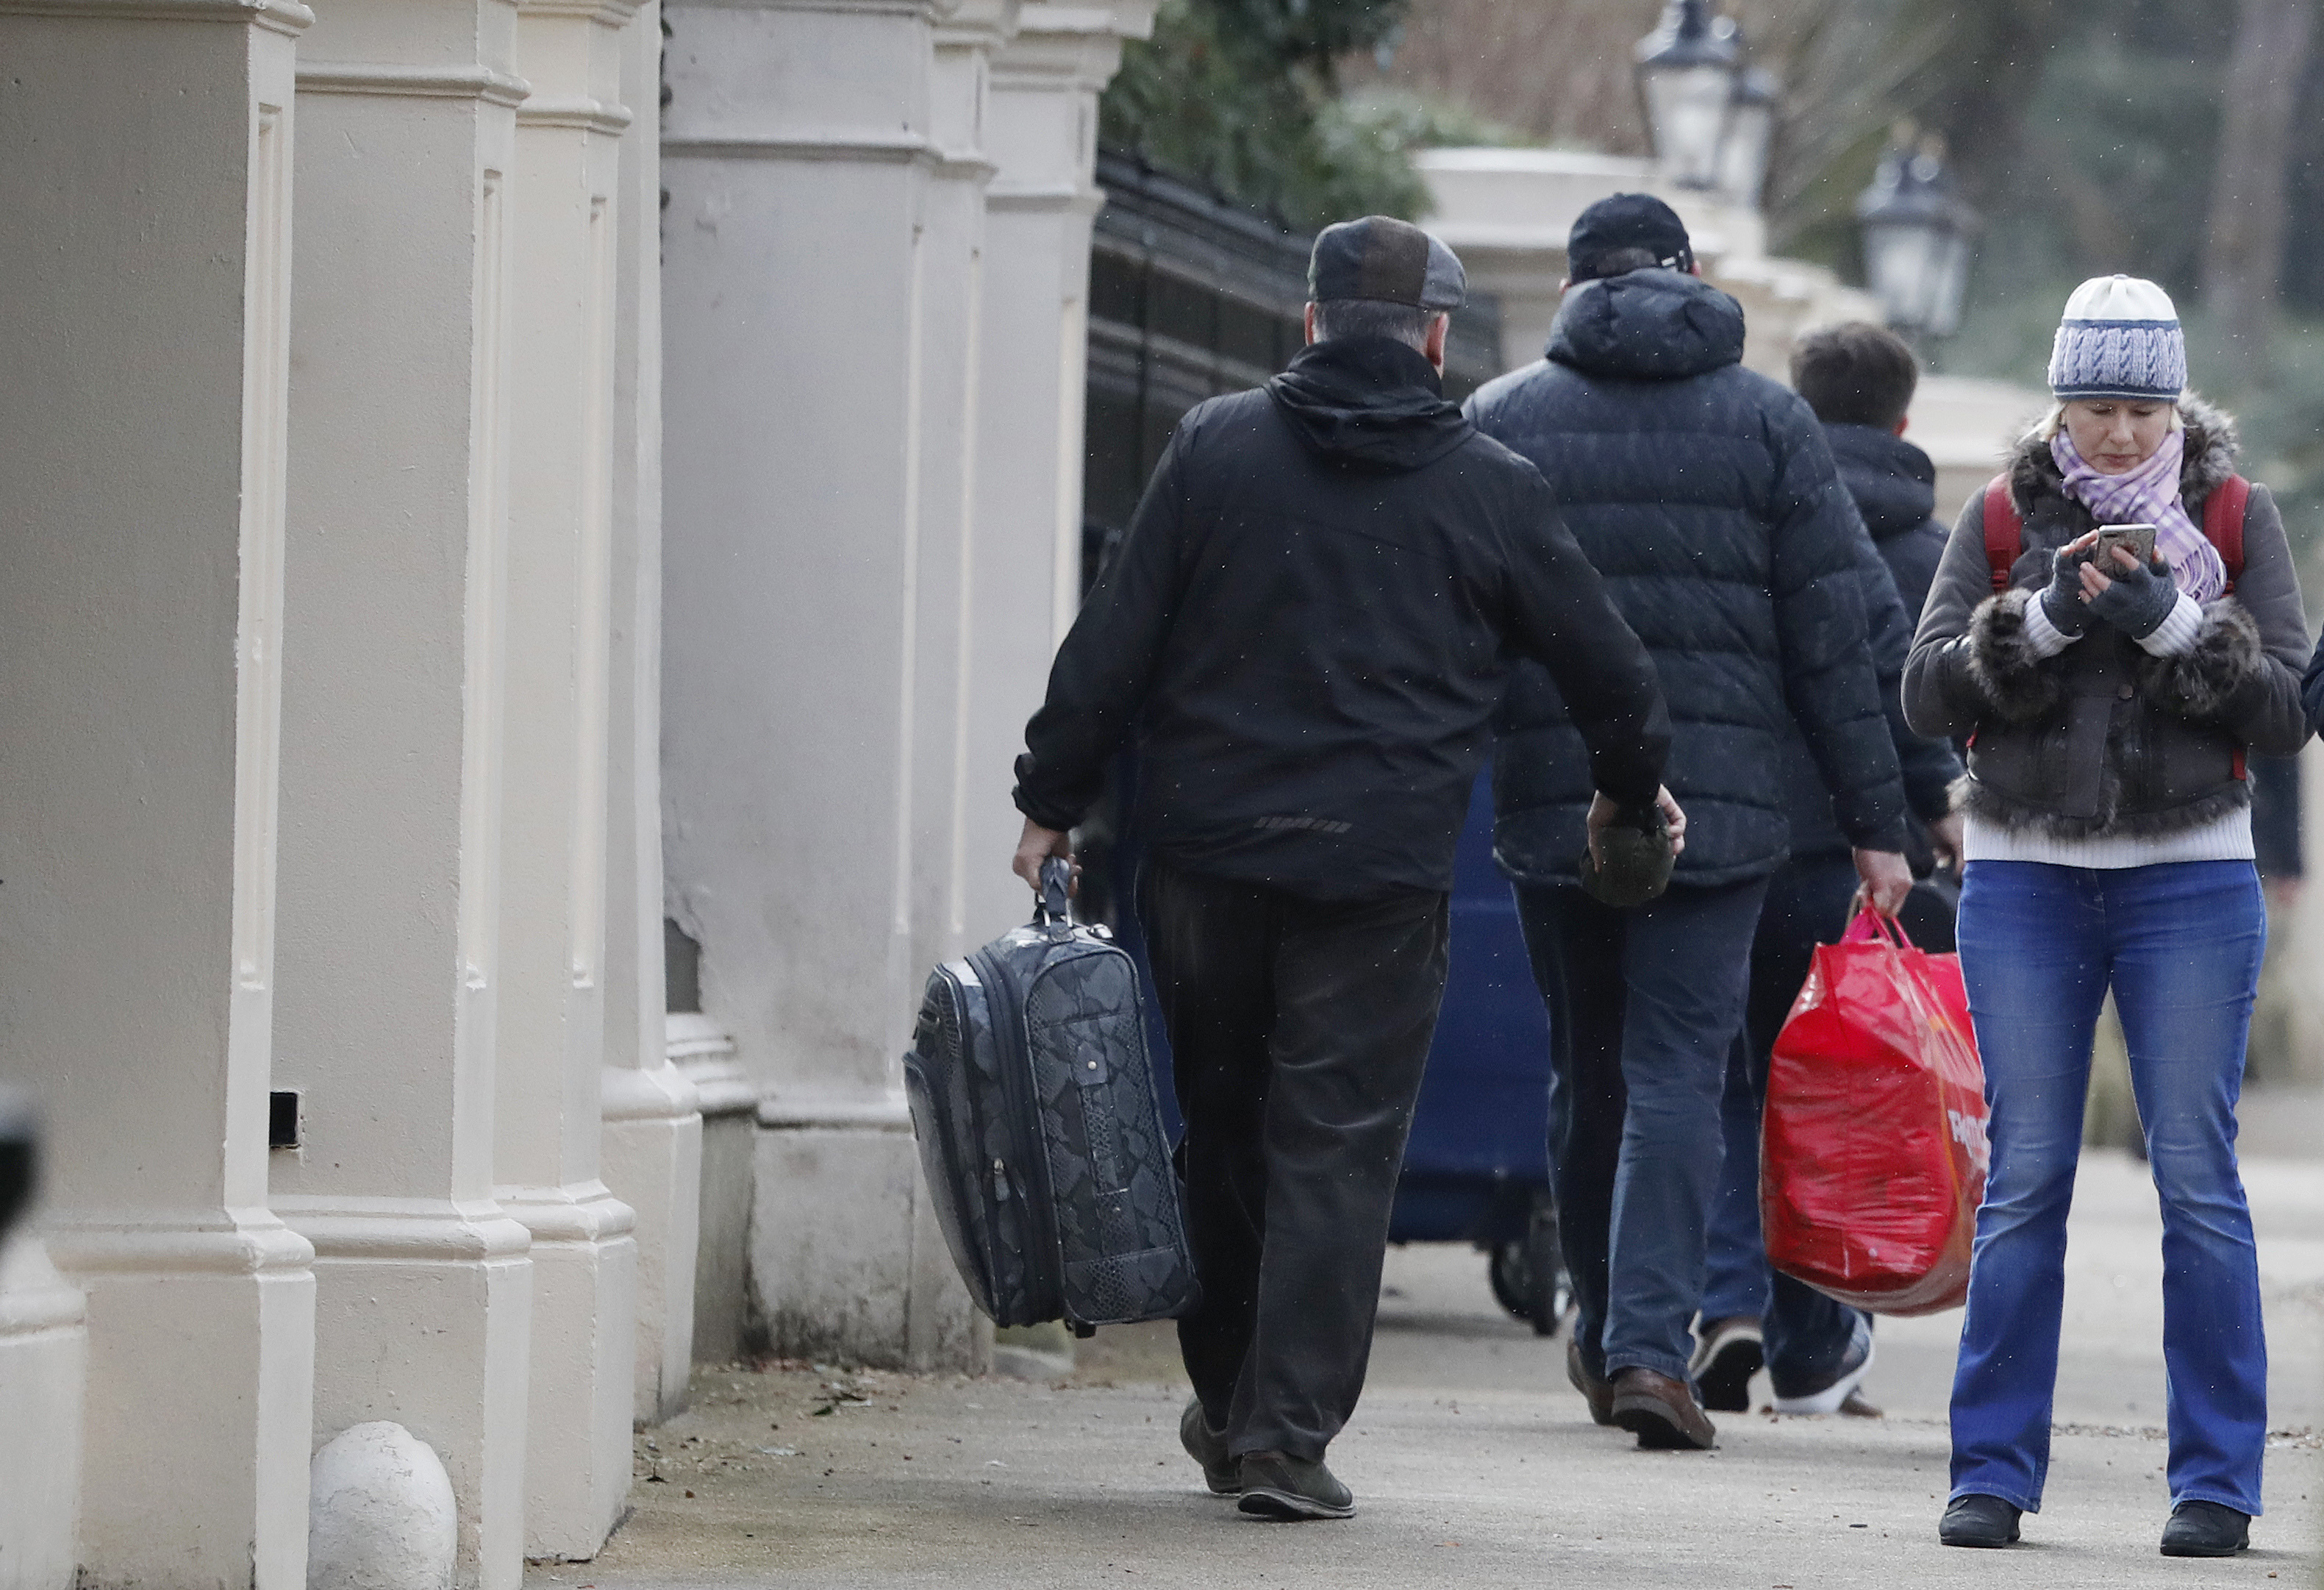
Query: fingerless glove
{"points": [[2063, 601], [2138, 600]]}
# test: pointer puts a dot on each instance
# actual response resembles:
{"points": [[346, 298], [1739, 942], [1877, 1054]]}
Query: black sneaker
{"points": [[1208, 1447], [2205, 1529], [1979, 1521], [1730, 1352], [1832, 1395], [1277, 1485]]}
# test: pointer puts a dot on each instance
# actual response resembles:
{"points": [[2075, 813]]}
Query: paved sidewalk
{"points": [[1473, 1464]]}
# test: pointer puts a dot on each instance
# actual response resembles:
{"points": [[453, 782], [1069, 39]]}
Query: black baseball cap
{"points": [[1383, 258], [1626, 221]]}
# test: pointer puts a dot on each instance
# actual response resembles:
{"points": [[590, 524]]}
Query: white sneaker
{"points": [[1828, 1400]]}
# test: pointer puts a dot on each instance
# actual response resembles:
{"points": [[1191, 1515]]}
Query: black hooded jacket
{"points": [[1894, 487], [1706, 496], [1309, 624]]}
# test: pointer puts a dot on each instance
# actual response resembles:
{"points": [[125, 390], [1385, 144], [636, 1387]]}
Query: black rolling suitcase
{"points": [[1033, 1102]]}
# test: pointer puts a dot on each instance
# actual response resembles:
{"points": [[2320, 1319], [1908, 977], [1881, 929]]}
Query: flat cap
{"points": [[1392, 261]]}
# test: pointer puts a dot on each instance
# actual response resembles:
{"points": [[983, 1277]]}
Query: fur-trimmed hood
{"points": [[2212, 445]]}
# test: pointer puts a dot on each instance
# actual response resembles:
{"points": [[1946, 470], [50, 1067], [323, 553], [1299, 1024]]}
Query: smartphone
{"points": [[2137, 539]]}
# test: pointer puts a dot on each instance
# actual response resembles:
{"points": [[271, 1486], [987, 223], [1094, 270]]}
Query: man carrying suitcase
{"points": [[1306, 629]]}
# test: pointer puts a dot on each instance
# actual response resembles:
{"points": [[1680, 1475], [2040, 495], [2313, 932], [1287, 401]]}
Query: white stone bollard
{"points": [[382, 1517]]}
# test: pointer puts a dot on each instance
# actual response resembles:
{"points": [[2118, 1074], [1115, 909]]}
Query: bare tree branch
{"points": [[2242, 254]]}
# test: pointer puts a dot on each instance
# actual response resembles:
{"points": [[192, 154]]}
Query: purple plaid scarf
{"points": [[2149, 494]]}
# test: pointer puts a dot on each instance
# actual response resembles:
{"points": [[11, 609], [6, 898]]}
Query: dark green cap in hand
{"points": [[1639, 857]]}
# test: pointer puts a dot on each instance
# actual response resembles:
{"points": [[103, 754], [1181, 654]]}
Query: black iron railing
{"points": [[1191, 296]]}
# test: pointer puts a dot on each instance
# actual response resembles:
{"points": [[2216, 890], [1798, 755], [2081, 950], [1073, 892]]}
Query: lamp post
{"points": [[1750, 130], [1687, 69], [1917, 239]]}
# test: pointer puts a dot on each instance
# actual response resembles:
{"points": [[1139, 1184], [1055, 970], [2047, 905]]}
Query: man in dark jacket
{"points": [[1307, 628], [1859, 380], [1705, 496]]}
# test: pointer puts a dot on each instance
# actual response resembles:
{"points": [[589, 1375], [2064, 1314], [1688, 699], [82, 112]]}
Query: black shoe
{"points": [[2205, 1529], [1208, 1447], [1731, 1352], [1979, 1521], [1277, 1485]]}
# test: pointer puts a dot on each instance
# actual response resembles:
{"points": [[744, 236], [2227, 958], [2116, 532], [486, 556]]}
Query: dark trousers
{"points": [[1808, 1335], [1298, 1030], [1644, 1006]]}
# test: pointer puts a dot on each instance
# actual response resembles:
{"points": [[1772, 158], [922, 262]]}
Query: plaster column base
{"points": [[585, 1300], [44, 1363], [847, 1263], [729, 1100], [423, 1316], [201, 1364], [651, 1159]]}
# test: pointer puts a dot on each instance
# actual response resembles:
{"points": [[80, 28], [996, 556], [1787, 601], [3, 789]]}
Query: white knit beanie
{"points": [[2120, 338]]}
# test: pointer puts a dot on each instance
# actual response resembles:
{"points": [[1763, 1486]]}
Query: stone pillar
{"points": [[564, 237], [396, 596], [43, 1361], [729, 1102], [653, 1120], [1041, 131], [144, 334], [811, 273], [950, 312]]}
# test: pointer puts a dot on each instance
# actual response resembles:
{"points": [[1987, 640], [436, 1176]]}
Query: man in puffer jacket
{"points": [[1706, 496], [1859, 380]]}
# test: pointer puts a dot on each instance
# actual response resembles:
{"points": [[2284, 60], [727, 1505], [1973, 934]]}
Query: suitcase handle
{"points": [[1053, 906]]}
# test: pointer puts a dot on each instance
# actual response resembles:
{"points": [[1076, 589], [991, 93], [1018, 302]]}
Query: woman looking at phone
{"points": [[2108, 844]]}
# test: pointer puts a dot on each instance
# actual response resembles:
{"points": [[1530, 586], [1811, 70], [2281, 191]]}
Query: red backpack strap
{"points": [[2223, 524], [2004, 531], [2223, 527]]}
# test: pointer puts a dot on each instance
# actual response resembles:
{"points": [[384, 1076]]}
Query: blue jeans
{"points": [[1643, 1006], [1808, 1336], [2180, 946]]}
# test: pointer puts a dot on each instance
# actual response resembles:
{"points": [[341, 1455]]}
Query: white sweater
{"points": [[2228, 839]]}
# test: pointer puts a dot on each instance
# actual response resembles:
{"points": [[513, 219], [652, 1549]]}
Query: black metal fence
{"points": [[1190, 297]]}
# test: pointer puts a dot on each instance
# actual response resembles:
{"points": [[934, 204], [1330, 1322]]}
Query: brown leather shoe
{"points": [[1598, 1393], [1661, 1412]]}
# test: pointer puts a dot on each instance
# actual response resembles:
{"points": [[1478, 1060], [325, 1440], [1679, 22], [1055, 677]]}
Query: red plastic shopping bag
{"points": [[1873, 1152]]}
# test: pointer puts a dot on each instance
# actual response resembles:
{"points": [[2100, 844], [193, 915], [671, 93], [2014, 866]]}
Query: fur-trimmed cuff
{"points": [[2201, 681], [2004, 663]]}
